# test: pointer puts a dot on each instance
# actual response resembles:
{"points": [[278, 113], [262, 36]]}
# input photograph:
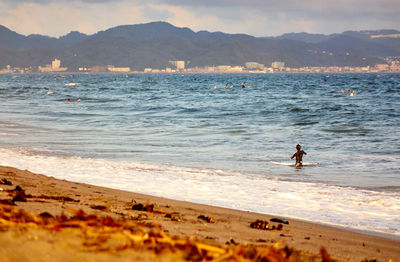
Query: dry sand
{"points": [[229, 228]]}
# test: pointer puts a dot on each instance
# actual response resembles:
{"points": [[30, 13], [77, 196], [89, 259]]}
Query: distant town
{"points": [[392, 65]]}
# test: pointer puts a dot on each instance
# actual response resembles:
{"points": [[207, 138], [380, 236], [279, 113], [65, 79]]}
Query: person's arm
{"points": [[305, 152], [292, 156]]}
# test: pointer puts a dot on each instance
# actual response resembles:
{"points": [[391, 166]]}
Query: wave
{"points": [[373, 210], [348, 128], [305, 123]]}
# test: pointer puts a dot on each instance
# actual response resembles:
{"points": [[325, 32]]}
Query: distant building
{"points": [[395, 66], [6, 70], [56, 63], [254, 65], [180, 65], [228, 69], [170, 70], [54, 67], [381, 67], [278, 65], [114, 69]]}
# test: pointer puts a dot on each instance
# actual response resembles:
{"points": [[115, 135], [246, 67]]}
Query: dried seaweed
{"points": [[141, 207], [59, 198], [9, 202], [98, 207], [4, 181], [264, 225], [18, 194], [106, 234], [208, 219]]}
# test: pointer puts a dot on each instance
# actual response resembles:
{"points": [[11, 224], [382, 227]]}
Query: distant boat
{"points": [[72, 84]]}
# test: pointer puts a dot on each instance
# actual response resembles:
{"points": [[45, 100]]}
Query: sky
{"points": [[254, 17]]}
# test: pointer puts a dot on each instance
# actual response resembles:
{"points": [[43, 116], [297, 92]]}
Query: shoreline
{"points": [[380, 234], [193, 73], [229, 226]]}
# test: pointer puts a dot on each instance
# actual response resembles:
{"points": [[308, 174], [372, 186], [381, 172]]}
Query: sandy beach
{"points": [[170, 230]]}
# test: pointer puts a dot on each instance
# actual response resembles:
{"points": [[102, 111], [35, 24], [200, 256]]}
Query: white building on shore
{"points": [[54, 67], [114, 69], [180, 65]]}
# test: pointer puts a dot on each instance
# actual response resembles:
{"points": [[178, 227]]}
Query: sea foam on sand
{"points": [[343, 206]]}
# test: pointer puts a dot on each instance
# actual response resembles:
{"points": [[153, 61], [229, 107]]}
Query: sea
{"points": [[188, 137]]}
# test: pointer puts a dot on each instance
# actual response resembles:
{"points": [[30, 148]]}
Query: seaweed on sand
{"points": [[107, 234]]}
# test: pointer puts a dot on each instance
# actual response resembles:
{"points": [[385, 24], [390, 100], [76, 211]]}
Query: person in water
{"points": [[299, 156], [244, 85]]}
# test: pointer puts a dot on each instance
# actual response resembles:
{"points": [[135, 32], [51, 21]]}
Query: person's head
{"points": [[298, 147]]}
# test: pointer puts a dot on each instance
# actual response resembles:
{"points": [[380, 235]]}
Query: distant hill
{"points": [[154, 44], [305, 37]]}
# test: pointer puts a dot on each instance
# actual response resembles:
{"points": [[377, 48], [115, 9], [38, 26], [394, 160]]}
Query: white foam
{"points": [[349, 207]]}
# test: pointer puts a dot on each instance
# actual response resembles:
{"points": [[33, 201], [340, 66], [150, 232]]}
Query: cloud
{"points": [[255, 17]]}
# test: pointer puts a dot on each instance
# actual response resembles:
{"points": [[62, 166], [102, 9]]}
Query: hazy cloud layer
{"points": [[255, 17]]}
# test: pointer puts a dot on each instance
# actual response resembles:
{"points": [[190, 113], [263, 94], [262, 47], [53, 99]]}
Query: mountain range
{"points": [[154, 44]]}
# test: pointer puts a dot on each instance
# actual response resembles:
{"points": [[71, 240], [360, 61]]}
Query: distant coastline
{"points": [[306, 70], [249, 68], [160, 47]]}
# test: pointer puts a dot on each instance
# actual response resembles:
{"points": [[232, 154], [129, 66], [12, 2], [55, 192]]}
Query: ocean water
{"points": [[188, 137]]}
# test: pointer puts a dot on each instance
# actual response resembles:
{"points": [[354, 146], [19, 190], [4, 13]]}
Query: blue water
{"points": [[192, 122]]}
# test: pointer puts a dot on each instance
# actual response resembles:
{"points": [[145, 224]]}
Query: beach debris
{"points": [[107, 234], [141, 207], [98, 207], [18, 194], [19, 197], [8, 202], [260, 240], [279, 220], [150, 208], [18, 188], [264, 225], [46, 215], [259, 224], [141, 217], [208, 219], [173, 216], [232, 241], [59, 198], [4, 181], [325, 256]]}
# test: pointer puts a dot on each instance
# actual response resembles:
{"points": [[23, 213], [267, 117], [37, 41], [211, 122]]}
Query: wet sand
{"points": [[228, 229]]}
